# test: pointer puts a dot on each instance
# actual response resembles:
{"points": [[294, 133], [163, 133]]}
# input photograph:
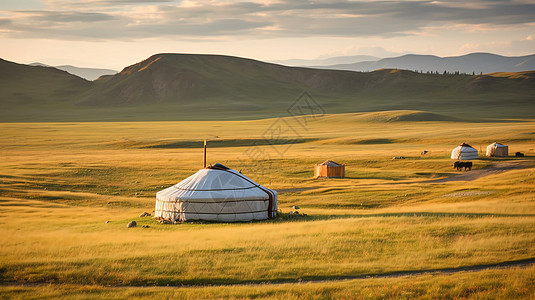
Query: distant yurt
{"points": [[497, 149], [329, 169], [464, 152], [219, 194]]}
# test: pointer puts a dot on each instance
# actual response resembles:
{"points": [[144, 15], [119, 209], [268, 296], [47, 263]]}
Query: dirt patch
{"points": [[496, 168], [294, 190], [468, 193]]}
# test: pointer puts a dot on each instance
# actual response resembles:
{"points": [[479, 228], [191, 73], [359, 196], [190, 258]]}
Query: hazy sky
{"points": [[117, 33]]}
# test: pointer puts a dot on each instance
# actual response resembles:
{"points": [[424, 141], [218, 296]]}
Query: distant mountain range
{"points": [[201, 87], [86, 73], [475, 63], [326, 61]]}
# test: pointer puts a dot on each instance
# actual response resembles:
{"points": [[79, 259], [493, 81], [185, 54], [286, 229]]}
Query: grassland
{"points": [[61, 182]]}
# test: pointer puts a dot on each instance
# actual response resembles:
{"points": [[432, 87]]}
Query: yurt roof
{"points": [[497, 145], [216, 178], [330, 163], [466, 148], [218, 166], [465, 145]]}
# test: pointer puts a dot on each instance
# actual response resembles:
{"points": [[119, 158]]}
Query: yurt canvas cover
{"points": [[497, 149], [216, 194], [464, 152], [329, 169]]}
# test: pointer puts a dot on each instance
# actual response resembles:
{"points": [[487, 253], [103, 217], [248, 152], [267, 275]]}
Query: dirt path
{"points": [[294, 190], [522, 263], [496, 168]]}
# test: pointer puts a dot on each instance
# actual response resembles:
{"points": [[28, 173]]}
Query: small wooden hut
{"points": [[330, 169]]}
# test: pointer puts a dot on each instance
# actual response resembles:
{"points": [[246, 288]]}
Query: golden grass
{"points": [[61, 182], [512, 283]]}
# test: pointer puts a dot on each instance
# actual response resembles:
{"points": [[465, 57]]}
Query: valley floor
{"points": [[393, 228]]}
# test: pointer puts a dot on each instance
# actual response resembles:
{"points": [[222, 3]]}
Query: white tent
{"points": [[464, 152], [219, 194], [497, 149]]}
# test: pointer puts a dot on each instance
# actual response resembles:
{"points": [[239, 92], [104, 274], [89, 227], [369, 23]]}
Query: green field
{"points": [[60, 184]]}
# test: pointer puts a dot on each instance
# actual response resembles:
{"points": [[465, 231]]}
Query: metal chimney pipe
{"points": [[205, 154]]}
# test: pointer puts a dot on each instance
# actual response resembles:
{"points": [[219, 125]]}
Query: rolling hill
{"points": [[471, 63], [37, 85], [85, 73], [231, 81], [195, 87]]}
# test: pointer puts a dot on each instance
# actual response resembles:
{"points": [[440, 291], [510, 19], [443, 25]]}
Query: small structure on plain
{"points": [[464, 152], [497, 149], [329, 169]]}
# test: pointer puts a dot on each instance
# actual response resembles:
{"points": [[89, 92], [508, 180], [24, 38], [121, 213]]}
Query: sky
{"points": [[117, 33]]}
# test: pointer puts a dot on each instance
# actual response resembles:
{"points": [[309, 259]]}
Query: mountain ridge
{"points": [[326, 61], [472, 63], [45, 82], [171, 86], [90, 74]]}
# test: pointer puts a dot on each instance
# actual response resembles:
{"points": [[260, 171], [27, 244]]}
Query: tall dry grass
{"points": [[60, 183]]}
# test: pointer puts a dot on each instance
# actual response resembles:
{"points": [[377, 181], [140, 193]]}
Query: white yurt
{"points": [[497, 149], [464, 152], [218, 194]]}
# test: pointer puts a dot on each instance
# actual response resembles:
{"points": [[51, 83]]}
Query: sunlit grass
{"points": [[490, 284], [67, 191]]}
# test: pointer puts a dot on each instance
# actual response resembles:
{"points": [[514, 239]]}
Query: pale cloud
{"points": [[116, 33], [512, 47], [98, 4], [523, 46], [102, 19]]}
